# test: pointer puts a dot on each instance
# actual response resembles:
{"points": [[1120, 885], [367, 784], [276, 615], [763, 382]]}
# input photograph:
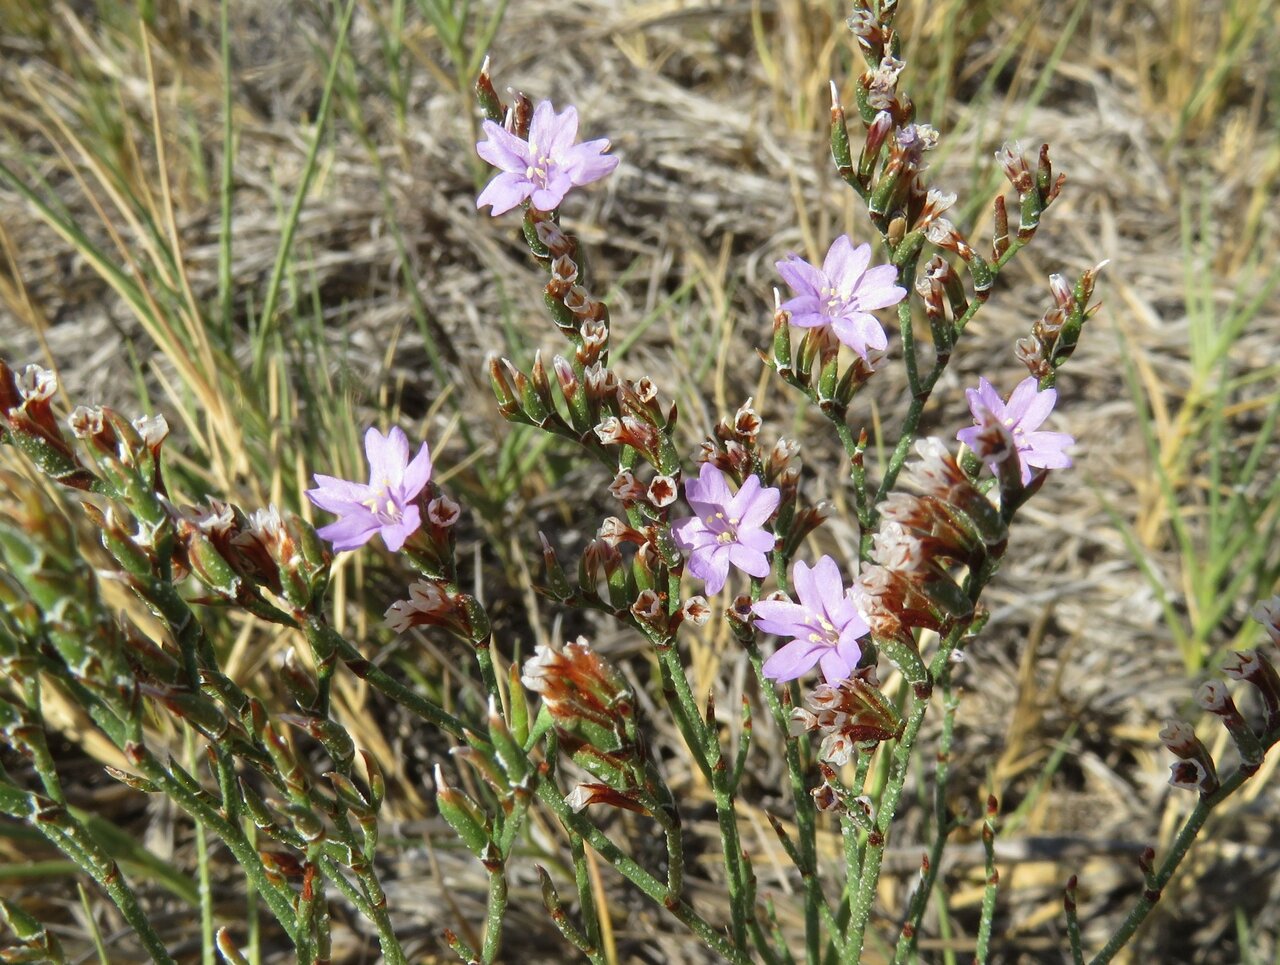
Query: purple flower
{"points": [[842, 294], [386, 505], [824, 626], [727, 528], [1020, 418], [542, 169]]}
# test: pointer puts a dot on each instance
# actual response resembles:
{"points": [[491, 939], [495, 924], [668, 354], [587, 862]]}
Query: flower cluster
{"points": [[847, 713], [947, 518]]}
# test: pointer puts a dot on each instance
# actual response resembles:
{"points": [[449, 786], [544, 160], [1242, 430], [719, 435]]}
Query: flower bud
{"points": [[663, 491], [595, 340], [1267, 613], [1254, 668], [1214, 697], [1015, 167], [1000, 232], [566, 377], [553, 238], [626, 488], [944, 235], [648, 610], [877, 134], [27, 413], [1191, 775], [433, 604], [331, 735], [462, 814], [508, 402], [594, 710], [695, 611], [584, 795]]}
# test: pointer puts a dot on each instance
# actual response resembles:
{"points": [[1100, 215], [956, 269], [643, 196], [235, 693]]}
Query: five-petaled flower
{"points": [[387, 505], [727, 528], [824, 626], [1020, 417], [842, 294], [542, 169]]}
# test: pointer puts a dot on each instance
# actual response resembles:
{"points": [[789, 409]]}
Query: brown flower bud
{"points": [[626, 488], [695, 611], [432, 604], [663, 491]]}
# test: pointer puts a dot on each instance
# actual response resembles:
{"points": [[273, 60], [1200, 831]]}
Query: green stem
{"points": [[910, 934], [1181, 844], [278, 899], [629, 869], [922, 388], [1073, 922], [493, 921], [706, 750], [857, 472], [806, 817], [863, 897], [989, 892], [207, 954], [586, 897], [381, 681], [683, 705], [70, 837]]}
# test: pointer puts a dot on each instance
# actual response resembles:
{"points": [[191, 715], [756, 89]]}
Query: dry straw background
{"points": [[1163, 114]]}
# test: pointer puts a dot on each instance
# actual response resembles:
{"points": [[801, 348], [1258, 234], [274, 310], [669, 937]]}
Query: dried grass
{"points": [[718, 112]]}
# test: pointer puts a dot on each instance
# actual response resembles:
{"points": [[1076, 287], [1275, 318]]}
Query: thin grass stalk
{"points": [[196, 331], [418, 306], [290, 227], [226, 182], [99, 945]]}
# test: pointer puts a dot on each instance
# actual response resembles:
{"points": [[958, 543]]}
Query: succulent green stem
{"points": [[638, 876]]}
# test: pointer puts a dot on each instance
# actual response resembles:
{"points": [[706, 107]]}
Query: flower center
{"points": [[822, 630], [725, 528], [834, 302], [382, 505], [537, 171]]}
